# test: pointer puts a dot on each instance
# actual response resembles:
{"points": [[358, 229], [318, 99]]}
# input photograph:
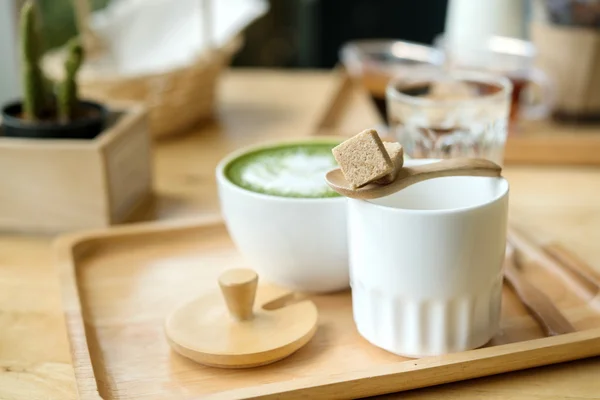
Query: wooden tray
{"points": [[535, 142], [119, 284]]}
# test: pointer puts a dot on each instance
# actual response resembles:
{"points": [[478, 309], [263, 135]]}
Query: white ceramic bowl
{"points": [[300, 243], [426, 265]]}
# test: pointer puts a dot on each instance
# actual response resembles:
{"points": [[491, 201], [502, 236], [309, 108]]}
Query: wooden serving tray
{"points": [[533, 142], [119, 285]]}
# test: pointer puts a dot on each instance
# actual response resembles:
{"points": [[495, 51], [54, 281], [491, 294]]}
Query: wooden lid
{"points": [[241, 327]]}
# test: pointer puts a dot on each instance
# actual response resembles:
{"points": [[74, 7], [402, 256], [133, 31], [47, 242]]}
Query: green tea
{"points": [[291, 170]]}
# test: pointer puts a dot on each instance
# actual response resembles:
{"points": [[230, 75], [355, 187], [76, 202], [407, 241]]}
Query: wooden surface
{"points": [[129, 356], [587, 276], [529, 143], [34, 355]]}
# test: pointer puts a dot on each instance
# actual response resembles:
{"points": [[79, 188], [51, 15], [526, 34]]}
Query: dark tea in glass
{"points": [[373, 63], [532, 96]]}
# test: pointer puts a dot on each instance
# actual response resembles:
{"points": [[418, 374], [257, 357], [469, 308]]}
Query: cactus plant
{"points": [[67, 90], [34, 83], [38, 100], [50, 109]]}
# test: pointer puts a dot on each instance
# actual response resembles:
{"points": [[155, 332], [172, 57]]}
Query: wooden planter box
{"points": [[52, 186]]}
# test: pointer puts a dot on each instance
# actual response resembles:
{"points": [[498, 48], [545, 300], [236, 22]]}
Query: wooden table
{"points": [[257, 105]]}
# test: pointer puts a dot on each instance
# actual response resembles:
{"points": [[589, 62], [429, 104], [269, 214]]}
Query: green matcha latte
{"points": [[288, 170]]}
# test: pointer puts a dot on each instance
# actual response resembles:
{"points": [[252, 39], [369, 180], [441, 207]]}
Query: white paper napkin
{"points": [[149, 36]]}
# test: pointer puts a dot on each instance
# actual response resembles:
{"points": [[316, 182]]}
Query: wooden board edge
{"points": [[64, 243], [85, 378], [522, 150], [67, 248], [427, 372], [346, 91], [337, 99]]}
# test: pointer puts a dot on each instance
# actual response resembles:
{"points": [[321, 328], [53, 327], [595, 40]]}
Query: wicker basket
{"points": [[177, 100]]}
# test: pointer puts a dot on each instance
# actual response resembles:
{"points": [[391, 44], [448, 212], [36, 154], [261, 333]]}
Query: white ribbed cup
{"points": [[426, 265]]}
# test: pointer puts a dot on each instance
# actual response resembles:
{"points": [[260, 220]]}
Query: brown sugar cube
{"points": [[396, 154], [363, 158]]}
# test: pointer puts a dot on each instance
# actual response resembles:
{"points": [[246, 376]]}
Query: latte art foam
{"points": [[291, 171]]}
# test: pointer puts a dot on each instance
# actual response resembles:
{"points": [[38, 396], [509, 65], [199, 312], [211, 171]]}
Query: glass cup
{"points": [[449, 114], [533, 90], [373, 63]]}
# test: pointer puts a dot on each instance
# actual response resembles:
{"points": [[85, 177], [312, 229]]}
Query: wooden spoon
{"points": [[410, 175]]}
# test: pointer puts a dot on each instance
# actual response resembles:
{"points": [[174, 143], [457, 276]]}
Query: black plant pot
{"points": [[88, 126]]}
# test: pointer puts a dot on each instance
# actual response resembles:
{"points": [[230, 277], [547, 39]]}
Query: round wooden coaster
{"points": [[227, 330]]}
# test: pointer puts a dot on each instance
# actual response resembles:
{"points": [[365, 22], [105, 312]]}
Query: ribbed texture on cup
{"points": [[419, 328]]}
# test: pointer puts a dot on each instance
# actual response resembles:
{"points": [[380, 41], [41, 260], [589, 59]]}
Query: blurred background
{"points": [[153, 36], [292, 34], [296, 33]]}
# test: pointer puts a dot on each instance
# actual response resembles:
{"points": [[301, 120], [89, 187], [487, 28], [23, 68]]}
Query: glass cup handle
{"points": [[541, 108]]}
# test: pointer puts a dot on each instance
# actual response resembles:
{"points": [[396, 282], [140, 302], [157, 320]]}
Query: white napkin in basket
{"points": [[150, 36]]}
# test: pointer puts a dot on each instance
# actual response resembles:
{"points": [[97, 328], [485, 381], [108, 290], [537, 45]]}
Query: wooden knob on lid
{"points": [[239, 289]]}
